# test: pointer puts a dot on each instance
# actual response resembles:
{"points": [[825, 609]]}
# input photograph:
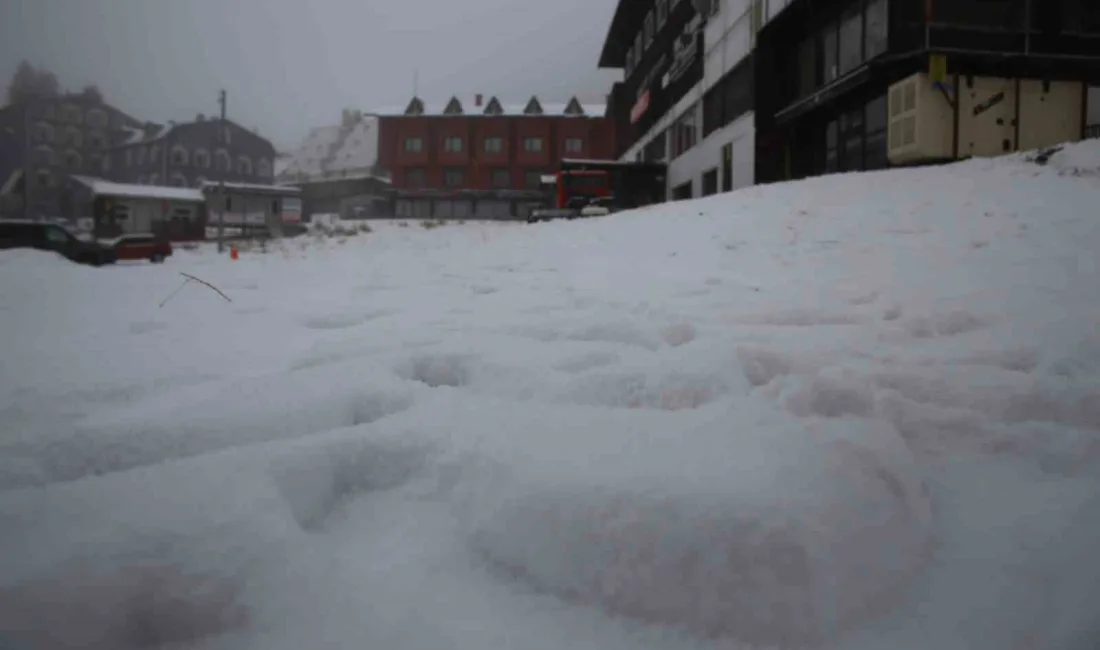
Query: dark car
{"points": [[142, 247], [52, 237]]}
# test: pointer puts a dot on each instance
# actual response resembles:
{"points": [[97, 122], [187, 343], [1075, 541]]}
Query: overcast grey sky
{"points": [[292, 64]]}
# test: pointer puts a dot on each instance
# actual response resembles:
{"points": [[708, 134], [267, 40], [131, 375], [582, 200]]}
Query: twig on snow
{"points": [[200, 281]]}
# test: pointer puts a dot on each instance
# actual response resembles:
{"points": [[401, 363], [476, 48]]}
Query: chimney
{"points": [[200, 118], [477, 100]]}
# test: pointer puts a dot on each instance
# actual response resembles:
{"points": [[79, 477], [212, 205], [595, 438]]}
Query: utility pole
{"points": [[221, 177], [27, 157]]}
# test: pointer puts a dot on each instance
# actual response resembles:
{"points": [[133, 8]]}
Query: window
{"points": [[178, 180], [45, 178], [662, 13], [684, 132], [201, 159], [414, 145], [628, 67], [851, 140], [221, 160], [95, 162], [657, 148], [649, 30], [727, 167], [532, 179], [876, 35], [129, 156], [502, 178], [452, 144], [107, 163], [830, 147], [494, 144], [73, 160], [43, 132], [757, 17], [154, 179], [263, 168], [876, 122], [710, 182], [638, 49], [851, 40], [97, 119], [829, 68], [139, 156], [730, 98], [179, 155], [244, 165], [73, 137], [532, 145], [71, 113], [454, 177], [807, 69], [56, 236], [574, 145], [154, 154], [97, 141]]}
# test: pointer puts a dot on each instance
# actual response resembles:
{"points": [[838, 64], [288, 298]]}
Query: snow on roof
{"points": [[470, 107], [253, 187], [101, 187], [340, 150]]}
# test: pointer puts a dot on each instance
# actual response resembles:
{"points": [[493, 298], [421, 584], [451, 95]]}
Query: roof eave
{"points": [[610, 58]]}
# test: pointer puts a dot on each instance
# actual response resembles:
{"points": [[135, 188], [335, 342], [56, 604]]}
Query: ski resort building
{"points": [[736, 92], [482, 158]]}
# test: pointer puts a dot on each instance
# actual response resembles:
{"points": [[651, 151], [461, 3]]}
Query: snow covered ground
{"points": [[857, 412]]}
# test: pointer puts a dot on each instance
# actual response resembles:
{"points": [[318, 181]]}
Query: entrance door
{"points": [[727, 167]]}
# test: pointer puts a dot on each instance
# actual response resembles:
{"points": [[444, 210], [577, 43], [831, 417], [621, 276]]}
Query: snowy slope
{"points": [[856, 412]]}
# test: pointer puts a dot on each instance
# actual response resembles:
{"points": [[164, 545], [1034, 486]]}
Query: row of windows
{"points": [[71, 159], [494, 144], [654, 21], [71, 113], [199, 158], [71, 136], [417, 178]]}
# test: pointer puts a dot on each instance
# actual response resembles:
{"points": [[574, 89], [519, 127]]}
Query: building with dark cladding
{"points": [[482, 158], [192, 154], [735, 92], [1016, 77]]}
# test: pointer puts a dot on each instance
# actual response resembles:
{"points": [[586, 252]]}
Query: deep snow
{"points": [[855, 412]]}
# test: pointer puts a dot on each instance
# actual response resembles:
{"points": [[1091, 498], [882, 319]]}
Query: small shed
{"points": [[174, 213], [248, 209]]}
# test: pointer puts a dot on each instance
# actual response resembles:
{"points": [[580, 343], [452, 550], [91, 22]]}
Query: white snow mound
{"points": [[849, 413]]}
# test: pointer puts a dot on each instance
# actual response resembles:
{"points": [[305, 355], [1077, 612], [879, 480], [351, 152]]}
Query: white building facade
{"points": [[707, 138]]}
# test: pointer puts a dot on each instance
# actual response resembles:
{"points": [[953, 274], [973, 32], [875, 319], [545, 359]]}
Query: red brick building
{"points": [[484, 159]]}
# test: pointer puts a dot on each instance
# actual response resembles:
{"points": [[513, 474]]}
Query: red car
{"points": [[142, 247]]}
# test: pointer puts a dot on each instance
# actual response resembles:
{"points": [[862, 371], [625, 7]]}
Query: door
{"points": [[987, 117], [727, 167]]}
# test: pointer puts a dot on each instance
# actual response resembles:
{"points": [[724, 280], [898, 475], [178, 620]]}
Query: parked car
{"points": [[141, 247], [48, 236]]}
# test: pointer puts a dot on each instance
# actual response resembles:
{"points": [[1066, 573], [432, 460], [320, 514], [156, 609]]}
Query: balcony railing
{"points": [[1092, 131]]}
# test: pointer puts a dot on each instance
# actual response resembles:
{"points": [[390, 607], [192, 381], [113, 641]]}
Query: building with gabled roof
{"points": [[480, 157]]}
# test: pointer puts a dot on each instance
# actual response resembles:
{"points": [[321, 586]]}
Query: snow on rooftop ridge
{"points": [[340, 149], [102, 187], [490, 105]]}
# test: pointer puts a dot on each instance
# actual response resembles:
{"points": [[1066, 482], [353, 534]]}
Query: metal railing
{"points": [[1092, 131]]}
